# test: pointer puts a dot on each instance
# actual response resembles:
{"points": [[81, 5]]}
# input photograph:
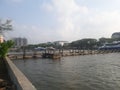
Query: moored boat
{"points": [[110, 46]]}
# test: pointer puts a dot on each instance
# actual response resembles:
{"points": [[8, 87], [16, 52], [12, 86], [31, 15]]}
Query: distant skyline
{"points": [[68, 20]]}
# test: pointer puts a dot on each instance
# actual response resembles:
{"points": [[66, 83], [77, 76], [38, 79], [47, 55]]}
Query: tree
{"points": [[5, 26], [105, 40], [87, 43], [4, 47]]}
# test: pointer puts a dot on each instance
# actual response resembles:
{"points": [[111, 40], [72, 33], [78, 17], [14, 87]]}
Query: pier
{"points": [[51, 56], [57, 54]]}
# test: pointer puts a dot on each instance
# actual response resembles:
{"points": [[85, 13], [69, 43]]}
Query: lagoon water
{"points": [[90, 72]]}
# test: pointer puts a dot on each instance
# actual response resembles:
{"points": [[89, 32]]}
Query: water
{"points": [[92, 72]]}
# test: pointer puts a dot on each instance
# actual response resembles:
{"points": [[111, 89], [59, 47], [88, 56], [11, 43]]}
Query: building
{"points": [[19, 42], [61, 43], [116, 35], [1, 39]]}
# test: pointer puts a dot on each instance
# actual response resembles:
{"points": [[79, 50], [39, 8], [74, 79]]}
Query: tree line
{"points": [[86, 43]]}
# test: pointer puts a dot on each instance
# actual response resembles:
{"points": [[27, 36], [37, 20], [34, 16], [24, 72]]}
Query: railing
{"points": [[17, 77]]}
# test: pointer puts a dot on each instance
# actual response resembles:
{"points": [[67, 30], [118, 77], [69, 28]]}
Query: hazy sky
{"points": [[52, 20]]}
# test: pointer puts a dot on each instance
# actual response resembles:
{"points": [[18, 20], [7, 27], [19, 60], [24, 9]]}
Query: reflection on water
{"points": [[92, 72]]}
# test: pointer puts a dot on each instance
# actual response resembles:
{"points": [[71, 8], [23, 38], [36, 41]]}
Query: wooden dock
{"points": [[58, 54], [51, 55]]}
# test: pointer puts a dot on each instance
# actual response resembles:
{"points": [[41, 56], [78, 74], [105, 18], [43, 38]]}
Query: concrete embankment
{"points": [[5, 82], [17, 77]]}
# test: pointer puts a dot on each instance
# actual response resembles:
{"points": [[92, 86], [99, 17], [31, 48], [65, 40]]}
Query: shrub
{"points": [[4, 47]]}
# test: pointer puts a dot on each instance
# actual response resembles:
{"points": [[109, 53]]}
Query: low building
{"points": [[61, 43], [19, 42]]}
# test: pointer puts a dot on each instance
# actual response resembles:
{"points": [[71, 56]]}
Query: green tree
{"points": [[87, 43], [5, 25], [105, 40], [4, 48]]}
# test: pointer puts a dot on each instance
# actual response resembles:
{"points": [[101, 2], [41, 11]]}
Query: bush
{"points": [[4, 47]]}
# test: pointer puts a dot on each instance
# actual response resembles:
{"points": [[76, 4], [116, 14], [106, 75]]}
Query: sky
{"points": [[67, 20]]}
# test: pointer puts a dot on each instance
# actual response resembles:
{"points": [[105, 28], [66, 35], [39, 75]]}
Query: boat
{"points": [[110, 46]]}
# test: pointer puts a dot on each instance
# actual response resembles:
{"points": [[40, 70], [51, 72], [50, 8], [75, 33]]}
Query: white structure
{"points": [[61, 43], [1, 39], [20, 42], [116, 35]]}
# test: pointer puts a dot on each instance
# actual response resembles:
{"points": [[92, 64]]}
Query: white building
{"points": [[61, 43], [20, 42]]}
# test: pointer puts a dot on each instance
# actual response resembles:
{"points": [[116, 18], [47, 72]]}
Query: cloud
{"points": [[102, 24], [76, 21], [72, 21], [67, 13], [34, 34], [47, 7], [71, 28]]}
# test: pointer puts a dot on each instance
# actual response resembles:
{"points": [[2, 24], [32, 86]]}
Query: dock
{"points": [[51, 56], [57, 54]]}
